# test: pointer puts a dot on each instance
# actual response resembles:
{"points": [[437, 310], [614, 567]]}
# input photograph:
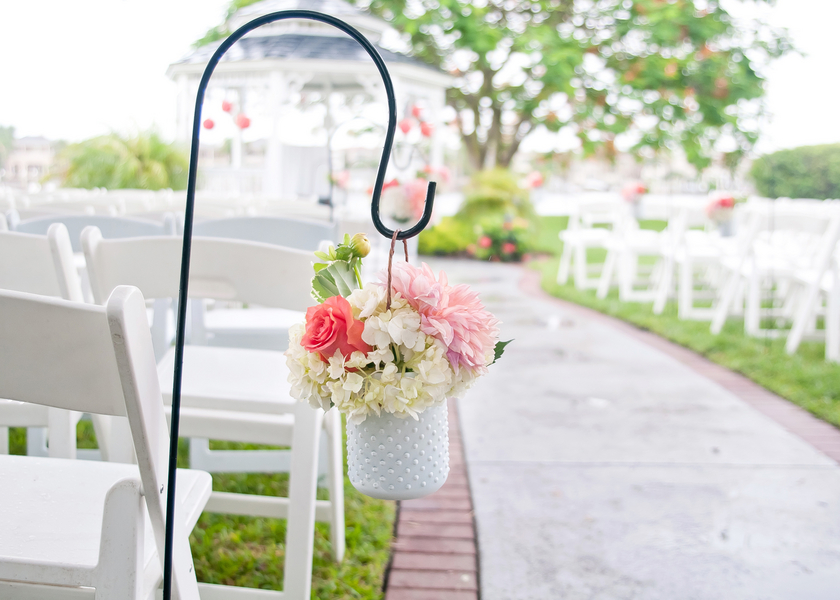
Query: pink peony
{"points": [[454, 315]]}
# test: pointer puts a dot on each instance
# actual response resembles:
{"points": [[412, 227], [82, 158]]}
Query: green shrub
{"points": [[114, 162], [503, 240], [450, 236], [495, 193], [493, 223], [806, 172]]}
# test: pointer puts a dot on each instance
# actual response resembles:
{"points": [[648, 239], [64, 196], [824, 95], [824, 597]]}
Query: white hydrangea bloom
{"points": [[405, 372], [367, 301]]}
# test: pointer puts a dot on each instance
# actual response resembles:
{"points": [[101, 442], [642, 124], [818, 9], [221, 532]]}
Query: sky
{"points": [[73, 69]]}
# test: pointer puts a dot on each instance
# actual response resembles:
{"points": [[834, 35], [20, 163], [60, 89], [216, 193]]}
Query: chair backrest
{"points": [[220, 269], [302, 234], [600, 211], [39, 264], [95, 359], [109, 226]]}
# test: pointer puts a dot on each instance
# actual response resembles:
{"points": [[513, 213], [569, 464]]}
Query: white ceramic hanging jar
{"points": [[399, 459]]}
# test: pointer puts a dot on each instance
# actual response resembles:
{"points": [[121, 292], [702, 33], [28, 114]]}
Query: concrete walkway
{"points": [[603, 468]]}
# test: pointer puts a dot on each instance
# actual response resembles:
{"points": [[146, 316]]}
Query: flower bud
{"points": [[360, 245]]}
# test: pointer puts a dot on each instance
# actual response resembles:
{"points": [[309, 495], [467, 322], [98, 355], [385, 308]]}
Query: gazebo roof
{"points": [[297, 46], [371, 26], [306, 45]]}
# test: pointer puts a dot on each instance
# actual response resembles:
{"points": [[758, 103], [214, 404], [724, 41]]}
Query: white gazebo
{"points": [[267, 74]]}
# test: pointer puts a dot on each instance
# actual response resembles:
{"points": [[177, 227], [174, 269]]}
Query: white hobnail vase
{"points": [[399, 459]]}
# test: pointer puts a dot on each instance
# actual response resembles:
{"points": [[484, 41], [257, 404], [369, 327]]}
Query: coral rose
{"points": [[331, 326]]}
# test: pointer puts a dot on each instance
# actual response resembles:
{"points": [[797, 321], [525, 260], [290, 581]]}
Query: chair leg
{"points": [[580, 267], [685, 293], [664, 286], [752, 315], [832, 321], [565, 264], [607, 274], [303, 481], [36, 441], [335, 474], [122, 536], [730, 288], [62, 428], [804, 317], [626, 272]]}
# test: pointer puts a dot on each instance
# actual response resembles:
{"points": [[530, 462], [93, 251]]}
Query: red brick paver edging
{"points": [[434, 552], [823, 436]]}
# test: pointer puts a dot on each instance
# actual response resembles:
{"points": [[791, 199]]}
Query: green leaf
{"points": [[322, 255], [319, 266], [499, 350], [323, 287], [336, 279], [343, 253]]}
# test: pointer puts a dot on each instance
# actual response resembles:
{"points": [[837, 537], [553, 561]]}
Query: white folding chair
{"points": [[589, 228], [820, 277], [625, 248], [233, 394], [255, 327], [80, 529], [690, 258], [303, 234], [782, 239], [110, 226], [39, 264]]}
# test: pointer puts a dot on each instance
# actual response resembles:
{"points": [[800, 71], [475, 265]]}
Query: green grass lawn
{"points": [[804, 378], [250, 551]]}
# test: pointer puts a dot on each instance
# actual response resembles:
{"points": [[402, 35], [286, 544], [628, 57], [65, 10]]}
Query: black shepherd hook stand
{"points": [[188, 222]]}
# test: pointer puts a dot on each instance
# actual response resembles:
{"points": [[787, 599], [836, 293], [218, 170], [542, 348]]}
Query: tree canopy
{"points": [[654, 74], [804, 172], [221, 31], [115, 162]]}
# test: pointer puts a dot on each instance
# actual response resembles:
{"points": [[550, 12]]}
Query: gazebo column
{"points": [[438, 102], [272, 174], [236, 144], [403, 170], [281, 87], [183, 114]]}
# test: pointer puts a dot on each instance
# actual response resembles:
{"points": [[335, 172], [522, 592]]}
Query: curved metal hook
{"points": [[190, 208]]}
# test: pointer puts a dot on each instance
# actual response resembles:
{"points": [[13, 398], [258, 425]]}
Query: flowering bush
{"points": [[363, 355], [504, 240]]}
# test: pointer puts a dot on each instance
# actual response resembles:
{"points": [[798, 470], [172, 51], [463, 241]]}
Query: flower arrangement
{"points": [[720, 208], [398, 346], [633, 192], [533, 180], [404, 201]]}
